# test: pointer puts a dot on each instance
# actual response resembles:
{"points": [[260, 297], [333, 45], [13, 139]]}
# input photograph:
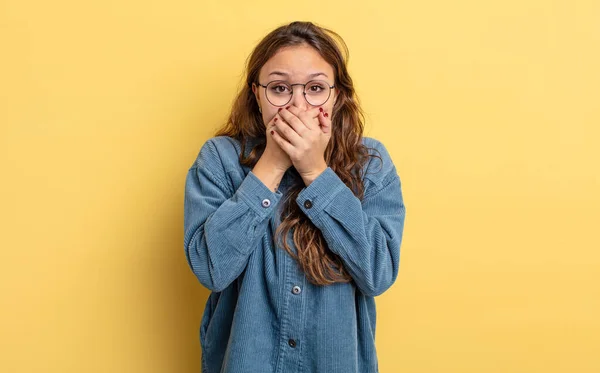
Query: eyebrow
{"points": [[287, 75]]}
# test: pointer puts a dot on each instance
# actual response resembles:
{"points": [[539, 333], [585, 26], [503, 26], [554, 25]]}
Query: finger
{"points": [[325, 122], [313, 111], [305, 116], [271, 124], [285, 129], [310, 118], [282, 142], [294, 122]]}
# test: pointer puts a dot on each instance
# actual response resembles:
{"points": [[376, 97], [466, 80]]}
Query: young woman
{"points": [[293, 219]]}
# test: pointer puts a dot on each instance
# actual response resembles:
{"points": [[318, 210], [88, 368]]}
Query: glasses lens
{"points": [[317, 92], [279, 93]]}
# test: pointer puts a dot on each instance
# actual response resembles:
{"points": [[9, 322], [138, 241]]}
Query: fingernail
{"points": [[321, 109], [326, 114], [272, 132], [275, 120]]}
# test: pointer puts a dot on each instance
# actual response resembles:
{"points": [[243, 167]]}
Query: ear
{"points": [[256, 96], [256, 92]]}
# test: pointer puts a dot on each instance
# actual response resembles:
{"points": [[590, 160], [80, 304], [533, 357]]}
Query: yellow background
{"points": [[491, 113]]}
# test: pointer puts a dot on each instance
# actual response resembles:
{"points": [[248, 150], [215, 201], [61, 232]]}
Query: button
{"points": [[296, 290], [292, 343], [308, 203], [266, 202]]}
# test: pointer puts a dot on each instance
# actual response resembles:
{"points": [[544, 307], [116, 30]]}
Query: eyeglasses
{"points": [[279, 92]]}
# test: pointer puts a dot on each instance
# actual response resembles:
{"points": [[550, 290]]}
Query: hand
{"points": [[303, 135], [273, 152]]}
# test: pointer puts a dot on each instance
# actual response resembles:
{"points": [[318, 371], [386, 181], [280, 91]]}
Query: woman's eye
{"points": [[316, 88], [280, 88]]}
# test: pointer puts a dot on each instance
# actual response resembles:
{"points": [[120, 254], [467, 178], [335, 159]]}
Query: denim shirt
{"points": [[262, 314]]}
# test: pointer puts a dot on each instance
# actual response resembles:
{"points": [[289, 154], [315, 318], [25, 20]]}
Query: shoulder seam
{"points": [[216, 178], [393, 175]]}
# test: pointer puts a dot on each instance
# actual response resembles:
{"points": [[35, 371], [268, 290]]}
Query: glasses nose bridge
{"points": [[300, 98]]}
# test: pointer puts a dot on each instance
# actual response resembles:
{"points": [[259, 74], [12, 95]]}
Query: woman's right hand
{"points": [[273, 152]]}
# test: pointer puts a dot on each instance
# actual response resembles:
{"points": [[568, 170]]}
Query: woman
{"points": [[291, 219]]}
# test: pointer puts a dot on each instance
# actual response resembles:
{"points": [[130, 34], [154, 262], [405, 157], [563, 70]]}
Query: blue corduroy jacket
{"points": [[262, 315]]}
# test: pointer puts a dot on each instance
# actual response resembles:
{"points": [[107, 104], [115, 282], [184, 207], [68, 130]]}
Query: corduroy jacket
{"points": [[262, 315]]}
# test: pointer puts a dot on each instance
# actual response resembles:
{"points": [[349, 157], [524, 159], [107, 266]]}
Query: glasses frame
{"points": [[303, 90]]}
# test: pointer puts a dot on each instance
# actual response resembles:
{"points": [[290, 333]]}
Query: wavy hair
{"points": [[345, 154]]}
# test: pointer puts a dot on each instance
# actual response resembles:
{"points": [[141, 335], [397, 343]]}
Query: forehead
{"points": [[298, 62]]}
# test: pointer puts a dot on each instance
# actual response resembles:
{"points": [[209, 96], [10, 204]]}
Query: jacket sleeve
{"points": [[366, 235], [222, 226]]}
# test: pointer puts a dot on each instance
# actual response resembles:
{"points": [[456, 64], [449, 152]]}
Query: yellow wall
{"points": [[490, 110]]}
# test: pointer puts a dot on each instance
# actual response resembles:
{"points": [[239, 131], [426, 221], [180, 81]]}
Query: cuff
{"points": [[257, 196], [313, 199]]}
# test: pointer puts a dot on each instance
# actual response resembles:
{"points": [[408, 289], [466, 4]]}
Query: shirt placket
{"points": [[291, 341]]}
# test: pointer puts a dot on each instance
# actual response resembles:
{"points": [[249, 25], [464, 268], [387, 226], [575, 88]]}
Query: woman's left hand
{"points": [[304, 135]]}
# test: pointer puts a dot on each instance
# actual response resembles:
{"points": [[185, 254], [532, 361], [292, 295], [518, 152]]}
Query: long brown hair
{"points": [[319, 263]]}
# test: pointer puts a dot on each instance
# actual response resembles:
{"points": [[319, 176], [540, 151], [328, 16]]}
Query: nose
{"points": [[298, 99]]}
